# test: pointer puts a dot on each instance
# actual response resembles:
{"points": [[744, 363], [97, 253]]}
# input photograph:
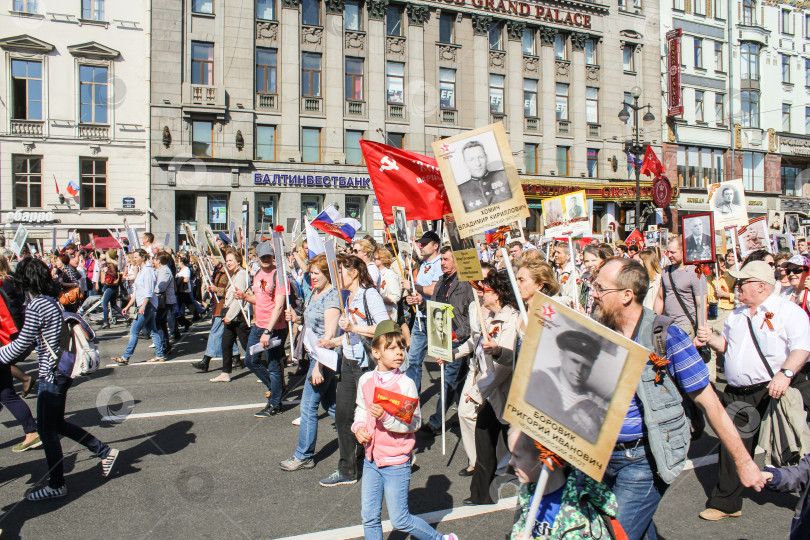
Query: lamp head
{"points": [[624, 115], [635, 91], [649, 116]]}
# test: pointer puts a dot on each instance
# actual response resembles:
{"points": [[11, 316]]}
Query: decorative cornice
{"points": [[547, 35], [334, 7], [418, 15], [481, 24], [376, 9], [290, 4], [25, 43], [93, 50], [578, 40], [515, 30]]}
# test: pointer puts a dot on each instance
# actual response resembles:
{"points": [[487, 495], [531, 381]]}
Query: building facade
{"points": [[74, 118], [745, 78], [263, 107]]}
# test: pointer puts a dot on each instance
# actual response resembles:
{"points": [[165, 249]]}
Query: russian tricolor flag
{"points": [[331, 222], [72, 188]]}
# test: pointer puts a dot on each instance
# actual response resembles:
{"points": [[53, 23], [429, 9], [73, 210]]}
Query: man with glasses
{"points": [[766, 342], [429, 273], [650, 452], [683, 291]]}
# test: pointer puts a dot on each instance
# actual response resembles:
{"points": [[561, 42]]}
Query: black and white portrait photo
{"points": [[574, 206], [479, 173], [698, 238], [775, 221], [783, 242], [575, 372], [439, 331], [552, 212], [793, 226], [400, 224], [456, 242], [728, 204]]}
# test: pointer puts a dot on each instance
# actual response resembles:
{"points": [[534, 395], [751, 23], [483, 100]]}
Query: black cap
{"points": [[429, 236], [579, 343]]}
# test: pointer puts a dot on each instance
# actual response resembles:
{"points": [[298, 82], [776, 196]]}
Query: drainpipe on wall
{"points": [[148, 26], [731, 87]]}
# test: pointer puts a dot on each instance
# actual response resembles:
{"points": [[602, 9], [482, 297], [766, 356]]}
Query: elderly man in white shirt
{"points": [[766, 342]]}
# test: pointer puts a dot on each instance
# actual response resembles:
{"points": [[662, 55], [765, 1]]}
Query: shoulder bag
{"points": [[366, 342], [705, 352]]}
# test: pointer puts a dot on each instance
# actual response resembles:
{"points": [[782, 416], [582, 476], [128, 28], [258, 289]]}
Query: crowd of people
{"points": [[744, 322]]}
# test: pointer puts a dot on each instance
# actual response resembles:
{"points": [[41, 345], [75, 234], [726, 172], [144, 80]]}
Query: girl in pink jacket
{"points": [[388, 438]]}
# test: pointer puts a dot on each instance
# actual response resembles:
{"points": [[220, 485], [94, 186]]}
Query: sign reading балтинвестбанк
{"points": [[312, 180]]}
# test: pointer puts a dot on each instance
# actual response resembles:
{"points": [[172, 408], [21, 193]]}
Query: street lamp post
{"points": [[635, 146]]}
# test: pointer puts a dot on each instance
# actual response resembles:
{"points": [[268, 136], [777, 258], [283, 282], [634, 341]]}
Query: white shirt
{"points": [[374, 272], [791, 331]]}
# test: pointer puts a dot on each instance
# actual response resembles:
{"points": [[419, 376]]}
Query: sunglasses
{"points": [[796, 271]]}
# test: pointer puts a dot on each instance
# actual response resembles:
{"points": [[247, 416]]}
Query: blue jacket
{"points": [[795, 478]]}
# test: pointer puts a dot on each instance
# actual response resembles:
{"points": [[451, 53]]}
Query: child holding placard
{"points": [[385, 419]]}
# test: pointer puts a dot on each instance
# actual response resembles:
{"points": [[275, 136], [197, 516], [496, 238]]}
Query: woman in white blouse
{"points": [[390, 280]]}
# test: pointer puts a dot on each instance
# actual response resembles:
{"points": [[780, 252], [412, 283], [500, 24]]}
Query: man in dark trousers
{"points": [[459, 294]]}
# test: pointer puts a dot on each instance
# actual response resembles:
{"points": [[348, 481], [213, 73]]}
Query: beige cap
{"points": [[757, 270]]}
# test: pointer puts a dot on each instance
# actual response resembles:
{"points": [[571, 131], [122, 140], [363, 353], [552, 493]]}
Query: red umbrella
{"points": [[104, 242]]}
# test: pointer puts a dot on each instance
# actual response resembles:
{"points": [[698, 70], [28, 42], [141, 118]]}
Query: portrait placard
{"points": [[566, 215], [440, 331], [19, 240], [792, 224], [210, 239], [468, 265], [401, 229], [698, 238], [481, 180], [572, 385], [191, 238], [651, 238], [783, 242], [754, 236], [727, 201], [515, 233], [776, 222]]}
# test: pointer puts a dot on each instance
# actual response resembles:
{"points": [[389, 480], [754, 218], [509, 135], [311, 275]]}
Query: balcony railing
{"points": [[532, 124], [497, 117], [563, 127], [355, 107], [28, 128], [448, 116], [267, 101], [593, 131], [312, 105], [204, 95], [94, 131], [396, 111]]}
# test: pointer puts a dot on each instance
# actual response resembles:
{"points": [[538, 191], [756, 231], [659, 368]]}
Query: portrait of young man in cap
{"points": [[564, 392]]}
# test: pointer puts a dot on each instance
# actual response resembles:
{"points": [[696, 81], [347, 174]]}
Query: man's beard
{"points": [[605, 318]]}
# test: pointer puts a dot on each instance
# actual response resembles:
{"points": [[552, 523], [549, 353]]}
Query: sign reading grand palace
{"points": [[525, 9]]}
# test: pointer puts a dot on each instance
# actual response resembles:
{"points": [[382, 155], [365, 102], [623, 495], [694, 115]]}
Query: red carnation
{"points": [[279, 228]]}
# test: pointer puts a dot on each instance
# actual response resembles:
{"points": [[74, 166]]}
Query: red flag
{"points": [[651, 166], [395, 404], [635, 238], [407, 179]]}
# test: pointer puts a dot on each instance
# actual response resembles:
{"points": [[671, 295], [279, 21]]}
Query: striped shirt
{"points": [[43, 318], [687, 369]]}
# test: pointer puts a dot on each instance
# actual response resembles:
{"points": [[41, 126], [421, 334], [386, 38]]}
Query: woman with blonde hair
{"points": [[390, 280], [649, 258], [365, 251], [233, 321]]}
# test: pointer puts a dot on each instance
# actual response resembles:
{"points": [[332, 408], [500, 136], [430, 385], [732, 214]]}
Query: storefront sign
{"points": [[615, 191], [311, 180], [524, 9], [662, 192], [129, 202], [795, 145], [29, 217], [674, 72]]}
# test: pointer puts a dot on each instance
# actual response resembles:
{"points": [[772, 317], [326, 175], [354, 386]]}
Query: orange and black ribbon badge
{"points": [[548, 457], [660, 364], [263, 284], [355, 311], [768, 317]]}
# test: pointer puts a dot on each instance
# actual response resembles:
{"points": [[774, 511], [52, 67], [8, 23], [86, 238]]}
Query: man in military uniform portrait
{"points": [[485, 187], [725, 204], [698, 244], [575, 210], [563, 392]]}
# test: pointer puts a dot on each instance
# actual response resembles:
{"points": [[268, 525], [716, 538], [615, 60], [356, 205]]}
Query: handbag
{"points": [[71, 296], [705, 352]]}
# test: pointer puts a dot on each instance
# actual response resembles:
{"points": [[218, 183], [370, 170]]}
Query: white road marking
{"points": [[438, 516], [180, 412]]}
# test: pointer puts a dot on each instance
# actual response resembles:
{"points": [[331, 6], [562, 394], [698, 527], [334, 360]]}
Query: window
{"points": [[353, 15], [26, 6], [496, 93], [698, 167], [719, 9], [807, 120], [750, 108], [266, 143], [753, 171], [395, 81], [310, 206], [355, 204], [698, 53], [354, 155], [750, 61], [218, 211], [786, 21], [93, 92], [447, 88], [786, 117], [720, 109], [592, 105], [562, 101], [197, 6], [311, 12], [530, 158], [202, 63], [628, 100], [807, 72], [397, 140], [310, 145], [26, 90], [393, 20], [202, 138], [530, 98], [447, 22], [93, 183], [718, 56], [354, 79], [93, 10], [700, 7], [562, 160], [785, 68], [310, 74], [266, 9], [265, 212], [590, 52], [593, 162], [628, 60], [677, 5], [560, 52], [528, 41], [807, 25], [699, 106], [27, 181], [749, 12], [495, 37], [266, 71]]}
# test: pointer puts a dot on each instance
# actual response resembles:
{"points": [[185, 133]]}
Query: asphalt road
{"points": [[195, 463]]}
